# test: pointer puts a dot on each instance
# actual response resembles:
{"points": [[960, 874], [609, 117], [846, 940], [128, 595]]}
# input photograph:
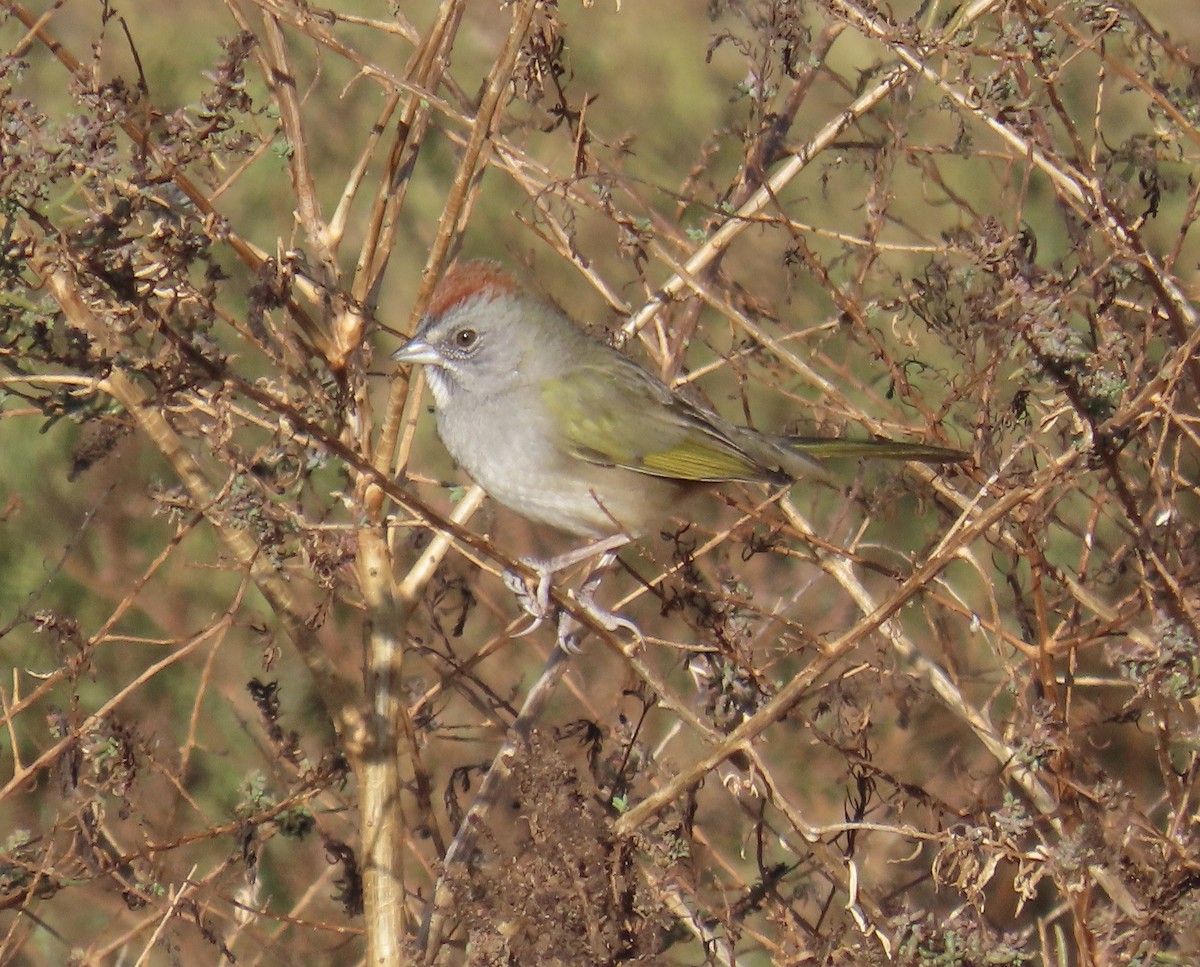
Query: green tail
{"points": [[825, 449]]}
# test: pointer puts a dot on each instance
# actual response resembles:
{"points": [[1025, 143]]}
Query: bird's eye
{"points": [[465, 338]]}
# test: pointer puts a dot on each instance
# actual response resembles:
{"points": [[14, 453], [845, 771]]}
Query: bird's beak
{"points": [[417, 351]]}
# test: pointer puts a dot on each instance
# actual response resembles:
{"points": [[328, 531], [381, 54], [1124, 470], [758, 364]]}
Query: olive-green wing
{"points": [[621, 416]]}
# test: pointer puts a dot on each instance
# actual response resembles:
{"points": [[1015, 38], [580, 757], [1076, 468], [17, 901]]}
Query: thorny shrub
{"points": [[264, 702]]}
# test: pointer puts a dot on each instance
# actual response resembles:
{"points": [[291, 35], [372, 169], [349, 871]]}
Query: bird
{"points": [[566, 431]]}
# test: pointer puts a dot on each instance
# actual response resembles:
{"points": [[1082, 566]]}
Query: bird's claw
{"points": [[570, 634], [608, 620], [532, 595], [536, 622]]}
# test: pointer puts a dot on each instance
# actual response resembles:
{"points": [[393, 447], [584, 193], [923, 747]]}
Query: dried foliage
{"points": [[262, 699]]}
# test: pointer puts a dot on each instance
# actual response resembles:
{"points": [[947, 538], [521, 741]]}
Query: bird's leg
{"points": [[534, 597]]}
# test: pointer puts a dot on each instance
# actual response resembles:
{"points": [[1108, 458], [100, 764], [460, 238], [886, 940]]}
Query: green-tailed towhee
{"points": [[566, 431]]}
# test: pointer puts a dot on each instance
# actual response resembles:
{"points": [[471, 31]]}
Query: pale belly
{"points": [[520, 469]]}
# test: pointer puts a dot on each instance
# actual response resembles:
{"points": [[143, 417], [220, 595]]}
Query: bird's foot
{"points": [[608, 620], [570, 633], [533, 595]]}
